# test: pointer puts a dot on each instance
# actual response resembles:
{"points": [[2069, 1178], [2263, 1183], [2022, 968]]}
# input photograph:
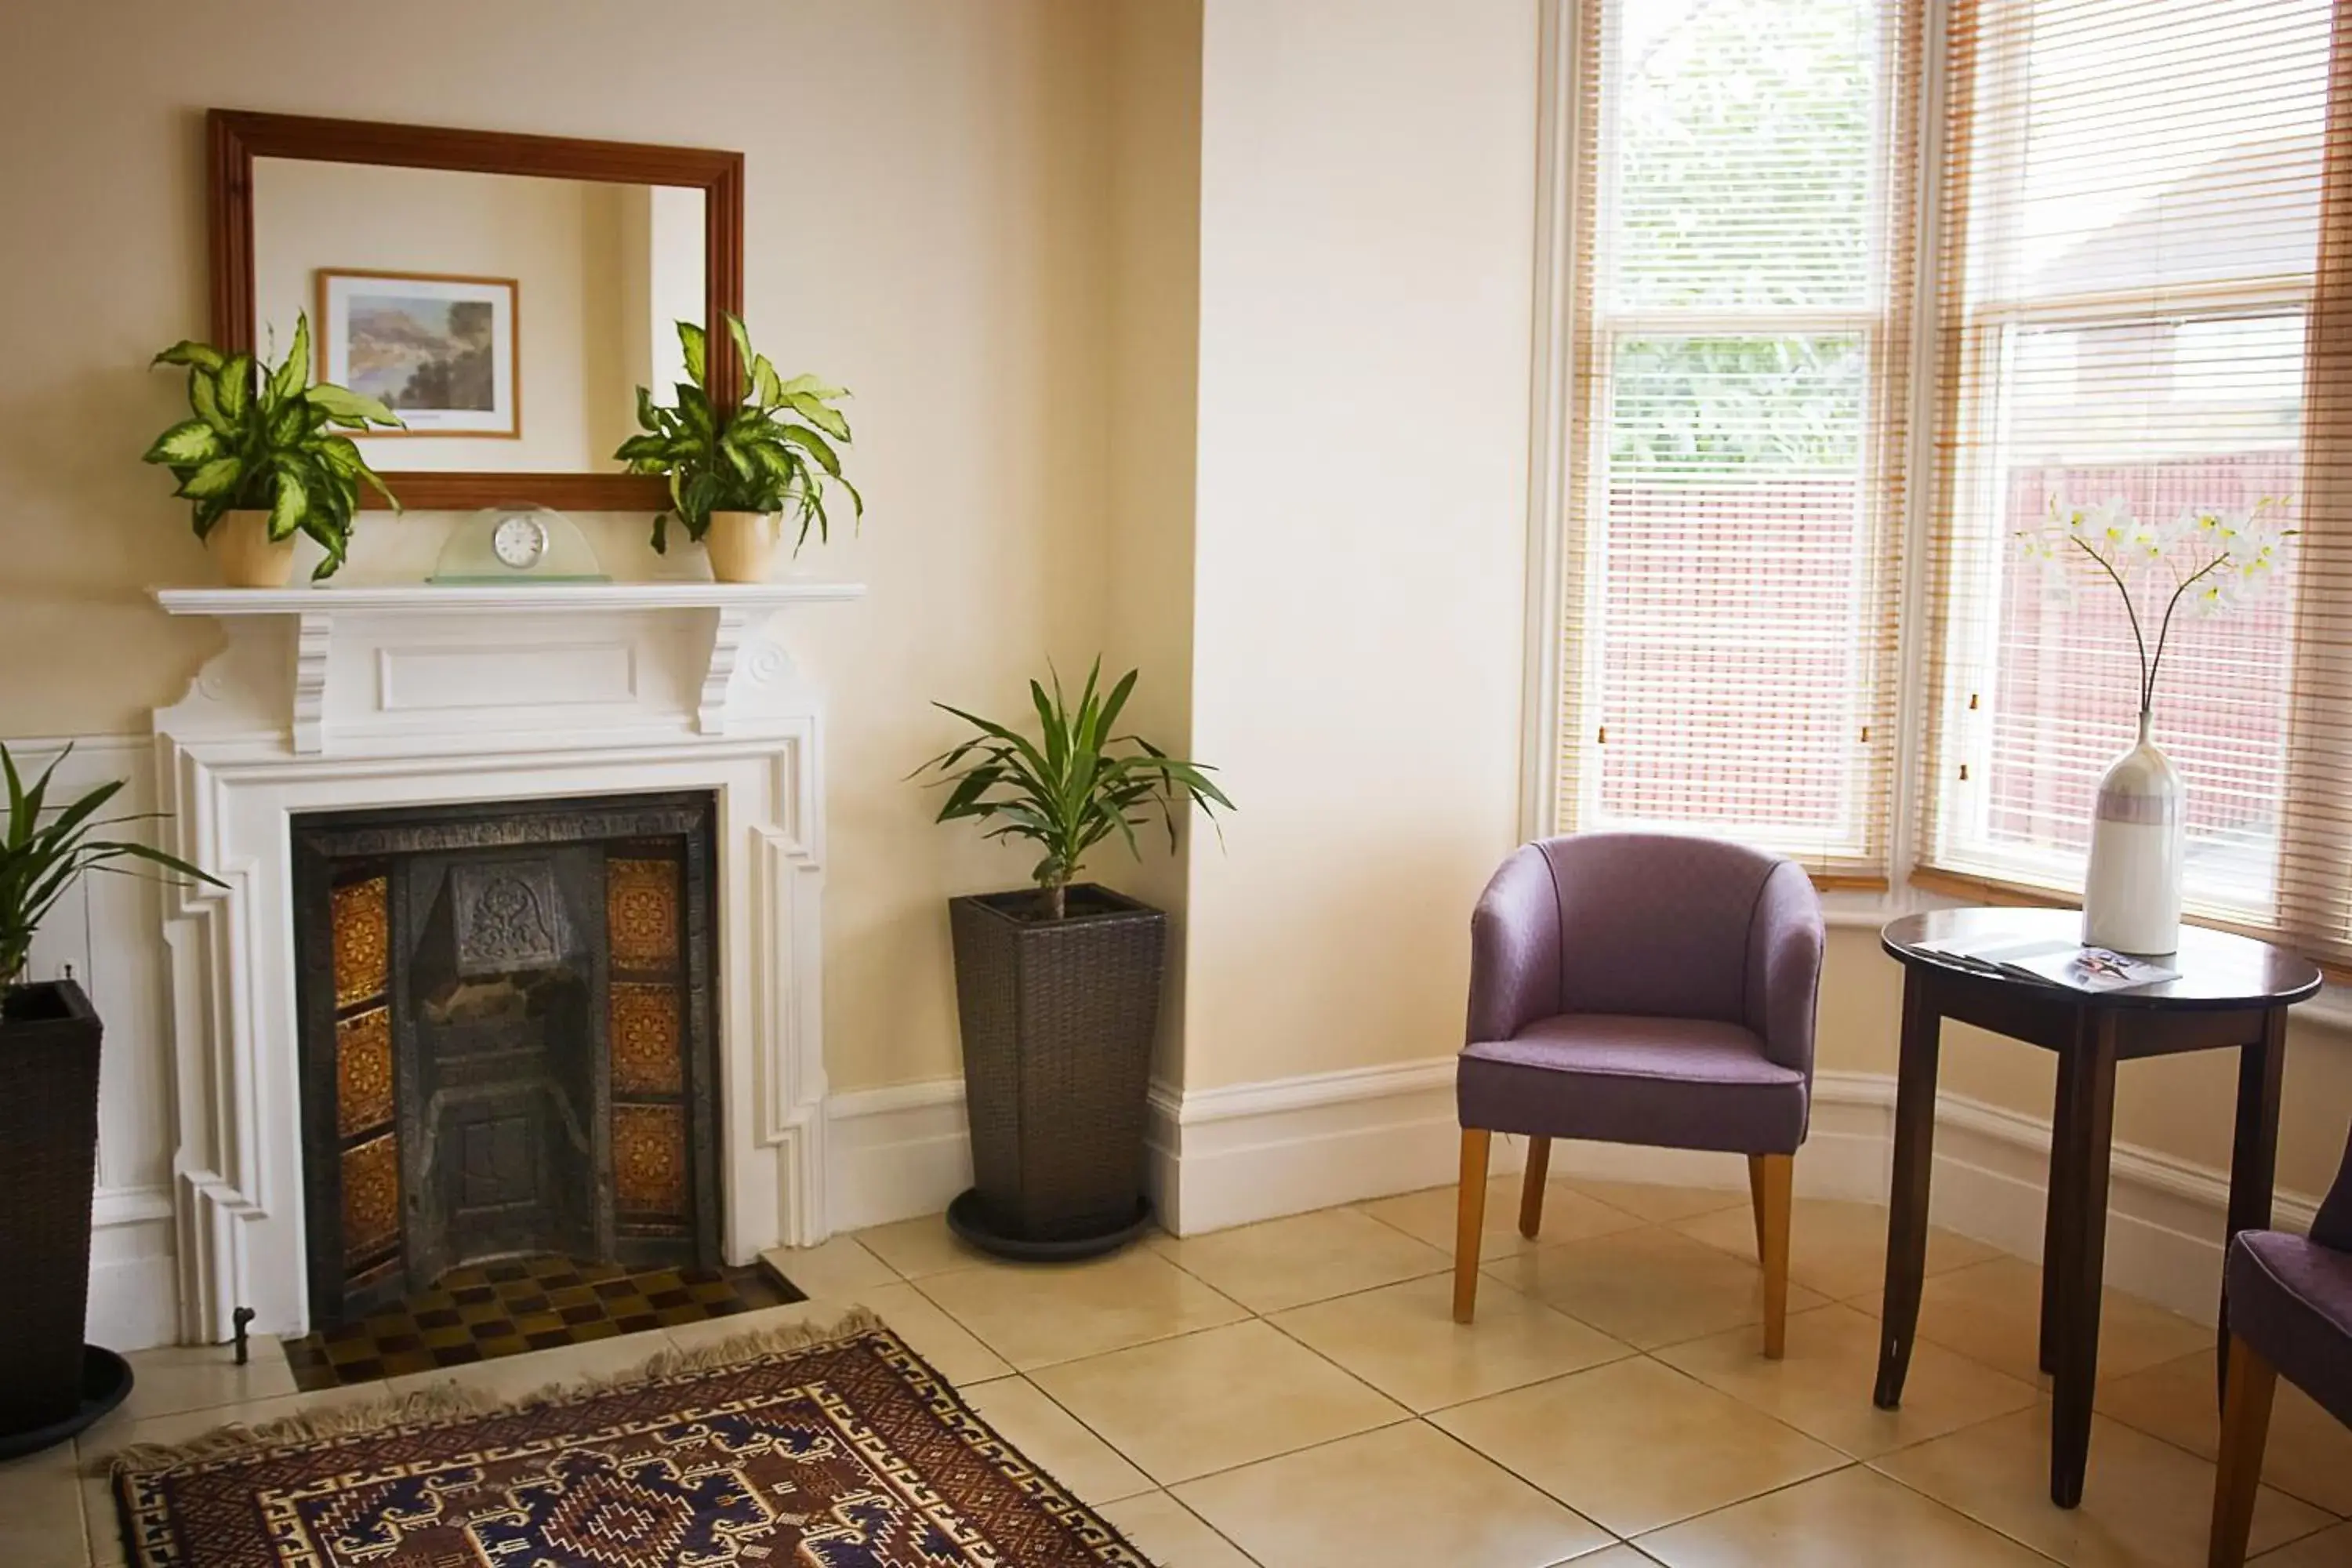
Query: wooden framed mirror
{"points": [[514, 291]]}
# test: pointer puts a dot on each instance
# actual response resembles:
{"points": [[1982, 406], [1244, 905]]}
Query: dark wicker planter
{"points": [[48, 1163], [1058, 1019]]}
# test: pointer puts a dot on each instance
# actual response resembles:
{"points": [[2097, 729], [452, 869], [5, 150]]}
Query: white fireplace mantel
{"points": [[724, 618], [373, 698]]}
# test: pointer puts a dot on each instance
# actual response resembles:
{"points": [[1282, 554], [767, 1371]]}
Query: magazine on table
{"points": [[2056, 962]]}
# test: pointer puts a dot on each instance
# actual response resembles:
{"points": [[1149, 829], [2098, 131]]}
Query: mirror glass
{"points": [[508, 319]]}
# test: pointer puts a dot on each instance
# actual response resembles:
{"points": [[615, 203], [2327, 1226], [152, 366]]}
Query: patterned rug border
{"points": [[450, 1403]]}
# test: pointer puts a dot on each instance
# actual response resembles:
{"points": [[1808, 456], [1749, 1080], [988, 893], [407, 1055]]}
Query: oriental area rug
{"points": [[831, 1448]]}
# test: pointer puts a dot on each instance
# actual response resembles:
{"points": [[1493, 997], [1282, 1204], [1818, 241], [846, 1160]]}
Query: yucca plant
{"points": [[772, 450], [40, 859], [1069, 790], [265, 438]]}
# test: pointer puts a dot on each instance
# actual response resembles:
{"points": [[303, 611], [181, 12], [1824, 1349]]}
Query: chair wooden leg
{"points": [[2245, 1424], [1771, 1178], [1531, 1193], [1469, 1221], [1756, 1201]]}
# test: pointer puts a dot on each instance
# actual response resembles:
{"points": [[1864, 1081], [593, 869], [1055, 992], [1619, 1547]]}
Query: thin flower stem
{"points": [[2146, 679], [2164, 633]]}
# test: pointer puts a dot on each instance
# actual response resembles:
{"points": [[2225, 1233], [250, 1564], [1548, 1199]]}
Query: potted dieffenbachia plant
{"points": [[265, 458], [734, 473], [1057, 986], [50, 1386]]}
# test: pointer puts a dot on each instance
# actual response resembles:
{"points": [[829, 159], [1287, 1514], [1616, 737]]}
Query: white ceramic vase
{"points": [[2131, 896], [247, 556], [743, 545]]}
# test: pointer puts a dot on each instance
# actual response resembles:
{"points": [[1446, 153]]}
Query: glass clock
{"points": [[517, 543]]}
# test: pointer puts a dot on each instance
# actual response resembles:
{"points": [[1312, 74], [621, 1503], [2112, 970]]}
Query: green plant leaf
{"points": [[691, 339], [345, 406], [815, 446], [216, 478], [291, 508], [233, 386], [206, 400], [294, 369], [818, 414], [187, 351], [190, 441], [809, 386]]}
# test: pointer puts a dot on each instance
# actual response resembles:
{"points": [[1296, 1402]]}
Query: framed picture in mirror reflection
{"points": [[439, 349]]}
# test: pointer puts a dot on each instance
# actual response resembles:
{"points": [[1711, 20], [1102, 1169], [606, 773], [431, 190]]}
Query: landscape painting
{"points": [[440, 350]]}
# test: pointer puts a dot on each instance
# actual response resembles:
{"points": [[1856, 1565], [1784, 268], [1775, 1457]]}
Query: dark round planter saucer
{"points": [[105, 1384], [968, 1217]]}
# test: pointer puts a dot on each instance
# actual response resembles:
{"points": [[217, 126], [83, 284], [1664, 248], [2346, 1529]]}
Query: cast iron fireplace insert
{"points": [[509, 1039]]}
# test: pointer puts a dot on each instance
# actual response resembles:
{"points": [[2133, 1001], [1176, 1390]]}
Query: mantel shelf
{"points": [[403, 655], [427, 598]]}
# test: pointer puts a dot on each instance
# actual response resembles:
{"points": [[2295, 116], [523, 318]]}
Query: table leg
{"points": [[1906, 1207], [2060, 1215], [2254, 1157], [2091, 1058]]}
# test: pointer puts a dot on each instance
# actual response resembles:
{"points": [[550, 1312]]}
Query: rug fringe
{"points": [[452, 1401]]}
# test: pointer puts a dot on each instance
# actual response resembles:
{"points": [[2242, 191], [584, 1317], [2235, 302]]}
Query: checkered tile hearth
{"points": [[521, 1304]]}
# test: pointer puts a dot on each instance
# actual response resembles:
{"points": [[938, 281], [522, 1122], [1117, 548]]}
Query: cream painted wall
{"points": [[926, 223], [1367, 213], [1155, 286]]}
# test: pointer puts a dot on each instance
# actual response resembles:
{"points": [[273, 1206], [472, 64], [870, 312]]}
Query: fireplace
{"points": [[507, 1038]]}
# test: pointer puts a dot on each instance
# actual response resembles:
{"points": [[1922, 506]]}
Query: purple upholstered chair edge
{"points": [[2290, 1304]]}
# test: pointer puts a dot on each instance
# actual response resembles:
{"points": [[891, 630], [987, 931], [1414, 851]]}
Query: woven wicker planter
{"points": [[48, 1163], [1058, 1019]]}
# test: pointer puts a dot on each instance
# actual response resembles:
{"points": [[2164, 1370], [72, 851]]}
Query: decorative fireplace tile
{"points": [[361, 915], [487, 1310], [641, 912], [371, 1198], [649, 1159], [649, 1052], [363, 1072], [508, 916]]}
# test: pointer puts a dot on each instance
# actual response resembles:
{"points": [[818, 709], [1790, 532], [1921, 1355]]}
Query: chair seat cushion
{"points": [[2291, 1299], [1681, 1083]]}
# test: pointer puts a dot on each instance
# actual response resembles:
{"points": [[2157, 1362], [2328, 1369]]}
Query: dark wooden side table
{"points": [[2232, 994]]}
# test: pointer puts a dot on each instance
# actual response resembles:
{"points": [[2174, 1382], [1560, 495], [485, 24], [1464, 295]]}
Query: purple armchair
{"points": [[1640, 988], [2290, 1305]]}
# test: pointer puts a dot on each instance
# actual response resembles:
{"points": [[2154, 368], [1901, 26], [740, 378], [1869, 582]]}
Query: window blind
{"points": [[2136, 313], [1743, 212]]}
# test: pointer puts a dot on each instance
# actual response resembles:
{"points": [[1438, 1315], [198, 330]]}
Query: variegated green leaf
{"points": [[689, 338], [818, 414], [191, 441], [291, 507], [345, 406], [287, 381], [204, 356], [205, 401], [216, 478], [233, 386]]}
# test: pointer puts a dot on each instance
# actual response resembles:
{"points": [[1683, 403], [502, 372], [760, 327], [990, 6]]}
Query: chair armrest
{"points": [[1785, 938], [1515, 947], [2332, 1226]]}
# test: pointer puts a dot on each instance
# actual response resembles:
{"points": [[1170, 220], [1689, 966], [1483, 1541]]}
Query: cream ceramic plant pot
{"points": [[743, 545], [2131, 895], [247, 556]]}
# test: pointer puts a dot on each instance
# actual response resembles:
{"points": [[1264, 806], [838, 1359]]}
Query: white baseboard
{"points": [[133, 1285], [1231, 1155], [1224, 1157], [897, 1153]]}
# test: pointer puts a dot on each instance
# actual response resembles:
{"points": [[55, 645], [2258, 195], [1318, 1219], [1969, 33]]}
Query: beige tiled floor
{"points": [[1296, 1394]]}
